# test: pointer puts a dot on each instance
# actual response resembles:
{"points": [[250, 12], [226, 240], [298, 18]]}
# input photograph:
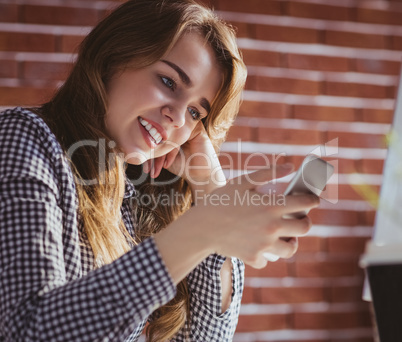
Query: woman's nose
{"points": [[175, 114]]}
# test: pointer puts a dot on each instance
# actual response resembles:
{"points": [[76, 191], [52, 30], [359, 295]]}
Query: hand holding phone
{"points": [[310, 178]]}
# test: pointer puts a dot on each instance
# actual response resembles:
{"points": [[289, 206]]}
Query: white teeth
{"points": [[151, 130]]}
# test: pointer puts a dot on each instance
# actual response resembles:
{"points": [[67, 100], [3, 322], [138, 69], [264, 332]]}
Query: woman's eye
{"points": [[196, 115], [168, 82]]}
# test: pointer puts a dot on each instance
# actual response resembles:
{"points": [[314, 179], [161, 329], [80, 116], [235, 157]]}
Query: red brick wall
{"points": [[318, 71]]}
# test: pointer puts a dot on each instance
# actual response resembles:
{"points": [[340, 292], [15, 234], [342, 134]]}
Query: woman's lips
{"points": [[147, 137]]}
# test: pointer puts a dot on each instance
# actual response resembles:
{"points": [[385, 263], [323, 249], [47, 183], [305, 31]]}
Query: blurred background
{"points": [[321, 73]]}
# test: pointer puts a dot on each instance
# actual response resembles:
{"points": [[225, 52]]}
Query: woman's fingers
{"points": [[170, 158], [295, 227], [298, 203], [146, 167], [284, 249], [157, 166], [280, 248]]}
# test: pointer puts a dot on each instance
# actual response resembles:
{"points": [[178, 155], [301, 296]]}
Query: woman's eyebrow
{"points": [[183, 76], [187, 81]]}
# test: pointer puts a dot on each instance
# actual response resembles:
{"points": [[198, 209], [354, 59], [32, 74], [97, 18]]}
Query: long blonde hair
{"points": [[137, 34]]}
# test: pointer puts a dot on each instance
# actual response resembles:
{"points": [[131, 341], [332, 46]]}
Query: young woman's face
{"points": [[155, 109]]}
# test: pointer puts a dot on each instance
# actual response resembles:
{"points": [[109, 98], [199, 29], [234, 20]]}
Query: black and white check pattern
{"points": [[49, 287]]}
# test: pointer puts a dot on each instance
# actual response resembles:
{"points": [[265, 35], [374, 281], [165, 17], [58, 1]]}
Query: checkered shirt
{"points": [[50, 289]]}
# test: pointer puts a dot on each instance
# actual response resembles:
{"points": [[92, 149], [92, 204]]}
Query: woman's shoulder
{"points": [[19, 117], [24, 123], [30, 152]]}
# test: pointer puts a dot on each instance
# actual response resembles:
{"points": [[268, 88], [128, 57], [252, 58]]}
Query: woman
{"points": [[156, 85]]}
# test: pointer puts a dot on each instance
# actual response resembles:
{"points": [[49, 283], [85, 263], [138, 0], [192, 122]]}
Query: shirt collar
{"points": [[129, 189]]}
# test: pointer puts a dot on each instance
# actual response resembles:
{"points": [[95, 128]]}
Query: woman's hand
{"points": [[236, 220], [246, 223], [196, 161]]}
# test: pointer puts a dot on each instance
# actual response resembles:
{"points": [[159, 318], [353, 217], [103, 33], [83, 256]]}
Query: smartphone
{"points": [[310, 178]]}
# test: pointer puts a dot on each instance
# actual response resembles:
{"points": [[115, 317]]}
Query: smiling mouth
{"points": [[153, 132]]}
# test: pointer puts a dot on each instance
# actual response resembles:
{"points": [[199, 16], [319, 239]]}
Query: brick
{"points": [[356, 339], [356, 90], [59, 15], [335, 217], [243, 29], [45, 70], [318, 11], [356, 191], [369, 15], [258, 159], [289, 136], [372, 166], [362, 192], [8, 69], [70, 43], [375, 66], [251, 161], [353, 139], [16, 41], [248, 323], [242, 133], [396, 43], [296, 160], [8, 13], [392, 91], [346, 293], [332, 320], [369, 217], [251, 6], [347, 165], [286, 34], [377, 115], [251, 82], [264, 109], [281, 295], [322, 113], [287, 85], [309, 340], [314, 62], [273, 269], [298, 340], [24, 96], [331, 269], [355, 39], [250, 295], [310, 244], [351, 244], [261, 58], [344, 165]]}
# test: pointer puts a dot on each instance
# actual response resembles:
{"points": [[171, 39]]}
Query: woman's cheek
{"points": [[182, 135]]}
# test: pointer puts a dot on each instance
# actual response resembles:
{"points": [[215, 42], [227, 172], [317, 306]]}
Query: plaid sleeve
{"points": [[207, 322], [37, 302]]}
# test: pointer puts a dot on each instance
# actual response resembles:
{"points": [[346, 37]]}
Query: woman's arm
{"points": [[43, 296]]}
